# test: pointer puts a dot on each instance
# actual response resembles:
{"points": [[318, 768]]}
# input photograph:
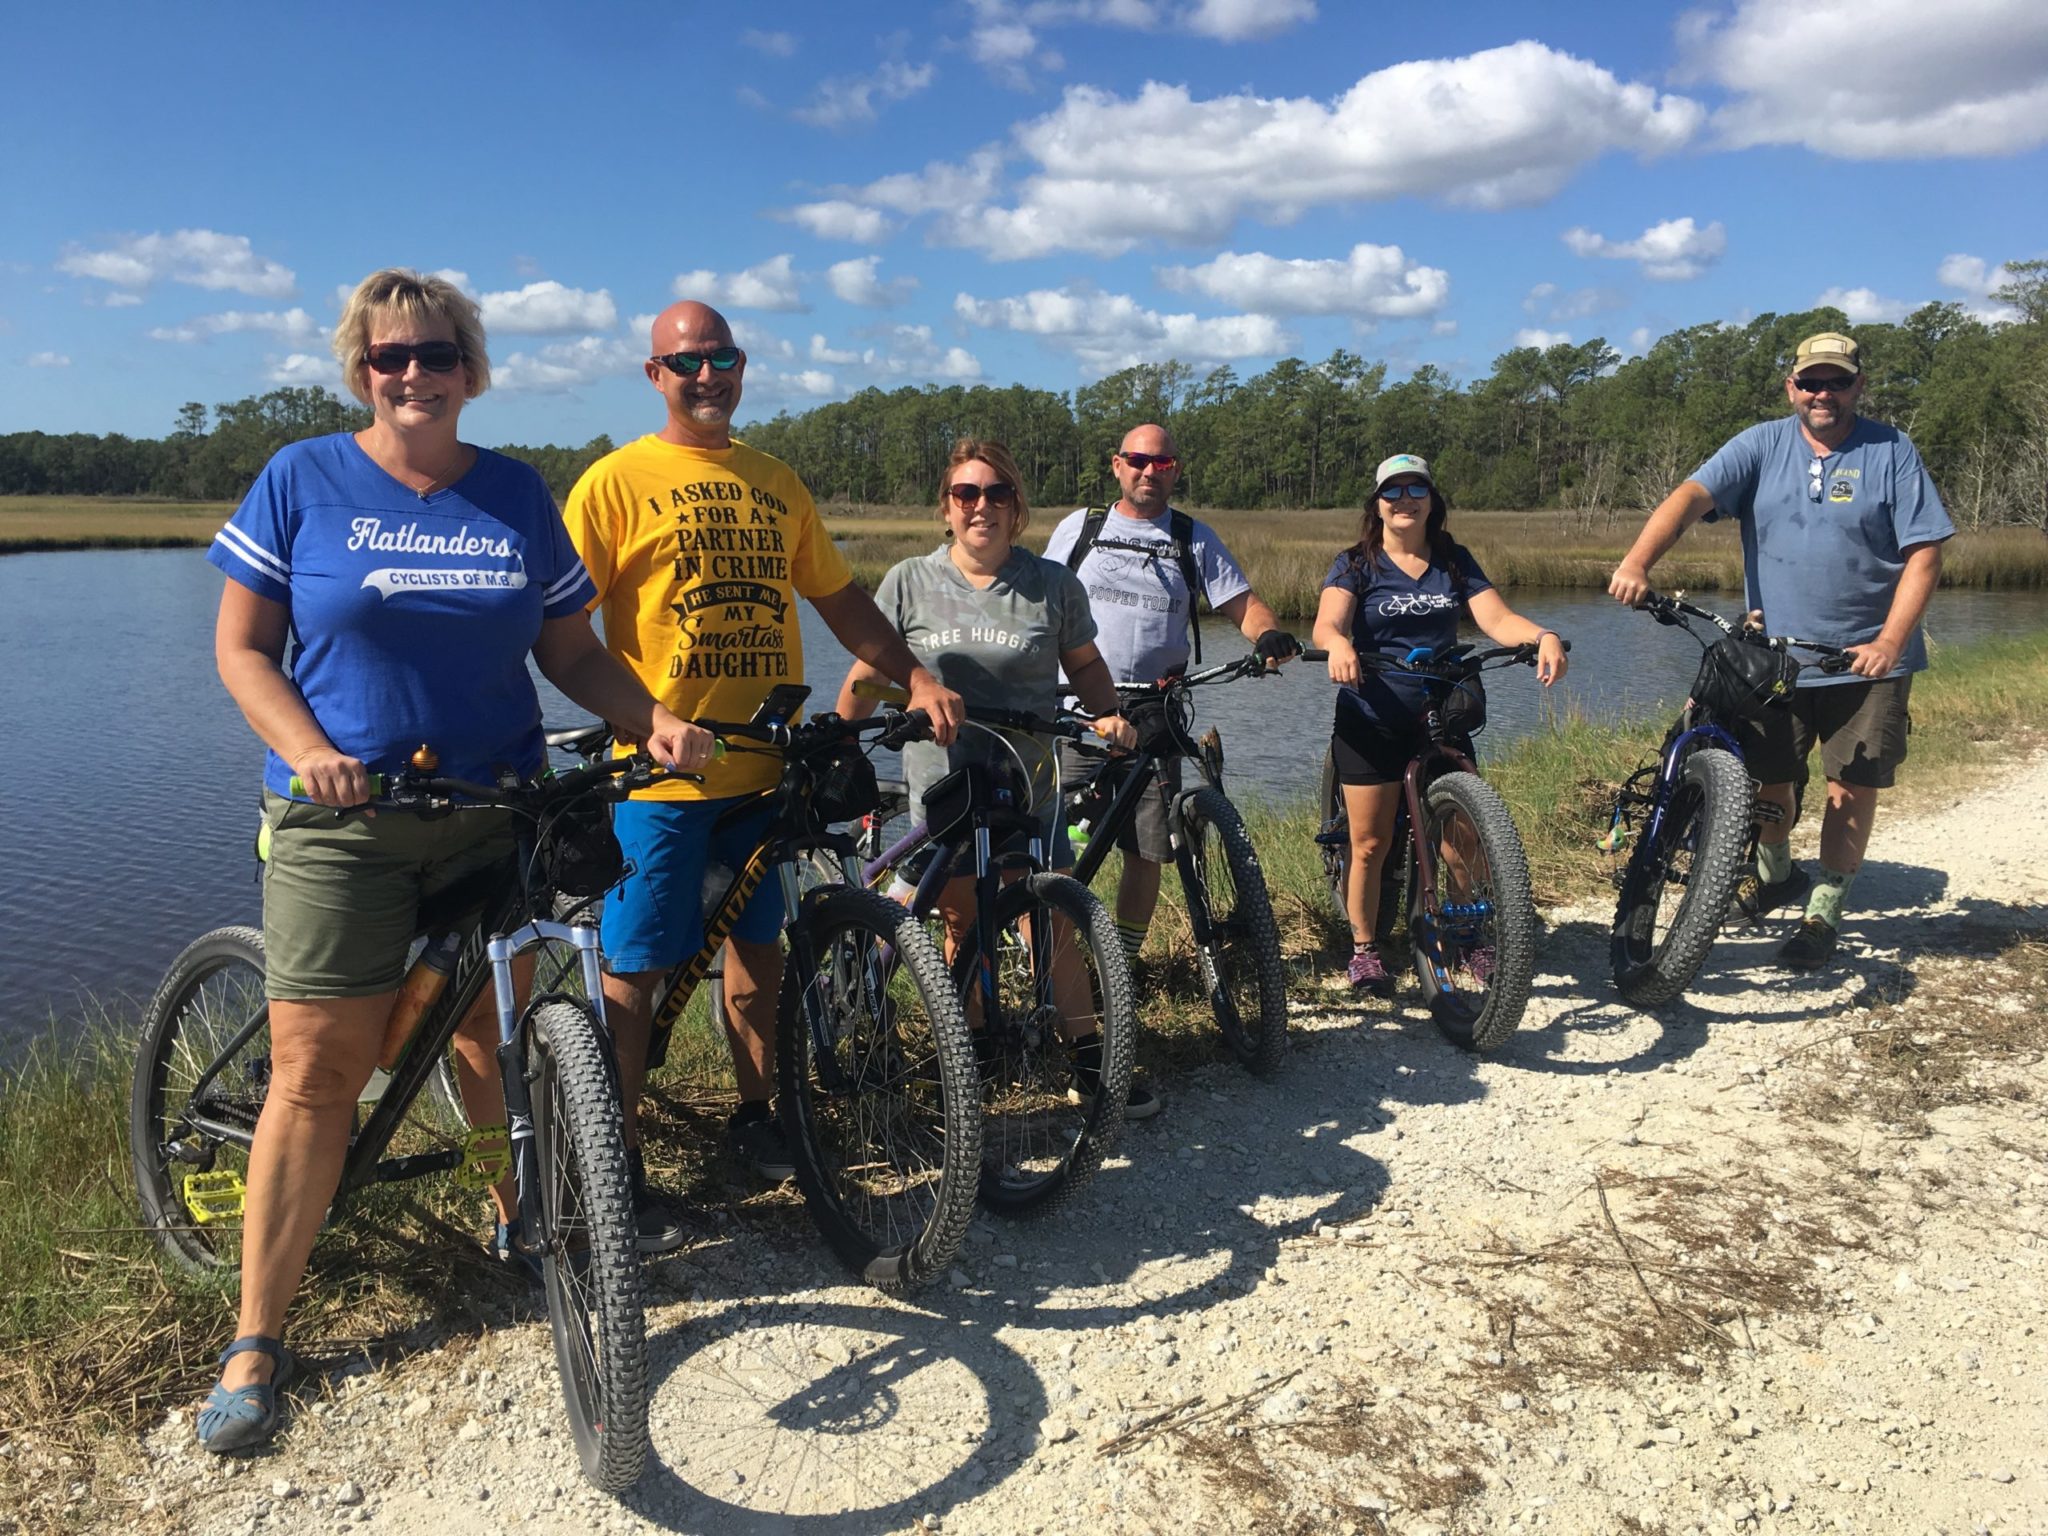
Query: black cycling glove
{"points": [[1277, 645]]}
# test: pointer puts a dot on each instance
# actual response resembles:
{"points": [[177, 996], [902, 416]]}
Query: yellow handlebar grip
{"points": [[298, 786], [880, 692]]}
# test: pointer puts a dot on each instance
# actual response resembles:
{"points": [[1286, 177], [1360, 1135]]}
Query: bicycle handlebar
{"points": [[410, 789], [893, 726], [1667, 609]]}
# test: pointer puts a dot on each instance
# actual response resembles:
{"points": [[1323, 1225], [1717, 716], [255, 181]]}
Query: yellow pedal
{"points": [[1612, 840], [214, 1196], [486, 1157]]}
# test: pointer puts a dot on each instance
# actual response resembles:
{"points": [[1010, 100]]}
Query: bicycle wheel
{"points": [[1333, 834], [876, 1080], [589, 1244], [1473, 938], [201, 1074], [1676, 888], [1050, 1113], [1241, 963]]}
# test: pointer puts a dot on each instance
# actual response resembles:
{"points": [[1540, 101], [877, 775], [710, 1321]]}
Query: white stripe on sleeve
{"points": [[250, 553]]}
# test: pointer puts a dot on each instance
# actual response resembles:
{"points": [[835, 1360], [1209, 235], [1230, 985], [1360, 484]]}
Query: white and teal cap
{"points": [[1402, 464]]}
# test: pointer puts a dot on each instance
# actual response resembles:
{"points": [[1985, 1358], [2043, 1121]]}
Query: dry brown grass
{"points": [[32, 523]]}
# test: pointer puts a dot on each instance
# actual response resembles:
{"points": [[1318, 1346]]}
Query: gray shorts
{"points": [[1146, 833], [1861, 727]]}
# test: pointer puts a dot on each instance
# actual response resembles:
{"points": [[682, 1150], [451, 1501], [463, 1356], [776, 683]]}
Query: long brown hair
{"points": [[996, 457], [1372, 538]]}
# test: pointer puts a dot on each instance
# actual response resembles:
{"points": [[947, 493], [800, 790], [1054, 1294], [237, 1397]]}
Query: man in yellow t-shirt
{"points": [[700, 547]]}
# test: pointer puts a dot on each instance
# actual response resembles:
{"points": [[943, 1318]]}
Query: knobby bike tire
{"points": [[886, 1135], [1048, 1120], [1475, 1012], [212, 991], [1241, 964], [1657, 948], [590, 1256], [1337, 859]]}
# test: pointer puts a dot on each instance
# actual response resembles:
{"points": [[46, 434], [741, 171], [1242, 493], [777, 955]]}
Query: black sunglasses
{"points": [[686, 364], [1144, 461], [397, 356], [967, 494], [1826, 384]]}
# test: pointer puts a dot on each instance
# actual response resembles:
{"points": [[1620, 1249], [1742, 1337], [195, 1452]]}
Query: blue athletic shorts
{"points": [[654, 918]]}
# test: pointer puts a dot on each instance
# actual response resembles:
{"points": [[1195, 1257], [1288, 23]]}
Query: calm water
{"points": [[129, 781]]}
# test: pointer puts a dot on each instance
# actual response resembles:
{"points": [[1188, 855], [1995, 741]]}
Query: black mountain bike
{"points": [[1041, 975], [875, 1073], [1457, 872], [1692, 813], [1237, 944], [204, 1066]]}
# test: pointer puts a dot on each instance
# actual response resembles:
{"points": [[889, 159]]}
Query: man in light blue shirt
{"points": [[1841, 542]]}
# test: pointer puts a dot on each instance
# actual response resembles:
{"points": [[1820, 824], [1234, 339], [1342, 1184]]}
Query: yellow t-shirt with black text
{"points": [[699, 555]]}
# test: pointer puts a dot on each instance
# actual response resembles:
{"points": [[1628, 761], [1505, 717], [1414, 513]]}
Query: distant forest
{"points": [[1571, 426]]}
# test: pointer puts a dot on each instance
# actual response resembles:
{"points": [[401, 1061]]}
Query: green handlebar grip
{"points": [[298, 786]]}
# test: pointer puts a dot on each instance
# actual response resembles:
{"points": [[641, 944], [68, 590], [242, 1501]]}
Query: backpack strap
{"points": [[1181, 534]]}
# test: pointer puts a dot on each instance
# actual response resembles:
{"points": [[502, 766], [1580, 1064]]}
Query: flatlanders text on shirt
{"points": [[368, 533]]}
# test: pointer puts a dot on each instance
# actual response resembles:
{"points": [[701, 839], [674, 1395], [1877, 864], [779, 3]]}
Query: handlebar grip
{"points": [[1313, 654], [880, 692], [298, 786], [1833, 665]]}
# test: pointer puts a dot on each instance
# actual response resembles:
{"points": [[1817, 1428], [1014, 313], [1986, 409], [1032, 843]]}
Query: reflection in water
{"points": [[131, 781]]}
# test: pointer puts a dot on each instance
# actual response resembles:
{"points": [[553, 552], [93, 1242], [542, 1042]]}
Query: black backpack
{"points": [[1180, 532]]}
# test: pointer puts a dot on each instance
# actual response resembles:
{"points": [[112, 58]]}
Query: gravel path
{"points": [[1725, 1270]]}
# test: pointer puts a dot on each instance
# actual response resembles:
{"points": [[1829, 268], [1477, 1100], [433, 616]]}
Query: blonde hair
{"points": [[987, 451], [409, 295]]}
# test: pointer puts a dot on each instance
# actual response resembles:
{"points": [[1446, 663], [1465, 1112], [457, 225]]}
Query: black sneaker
{"points": [[657, 1216], [761, 1145], [1811, 947], [1753, 898]]}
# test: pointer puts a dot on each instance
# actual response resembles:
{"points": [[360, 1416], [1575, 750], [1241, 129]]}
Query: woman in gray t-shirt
{"points": [[997, 624]]}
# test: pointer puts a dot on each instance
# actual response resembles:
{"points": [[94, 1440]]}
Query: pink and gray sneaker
{"points": [[1368, 973], [1481, 960]]}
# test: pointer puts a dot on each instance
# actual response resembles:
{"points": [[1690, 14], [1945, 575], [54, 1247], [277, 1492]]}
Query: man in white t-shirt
{"points": [[1137, 575]]}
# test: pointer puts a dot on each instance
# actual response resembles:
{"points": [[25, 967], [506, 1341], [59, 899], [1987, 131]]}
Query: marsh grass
{"points": [[31, 524]]}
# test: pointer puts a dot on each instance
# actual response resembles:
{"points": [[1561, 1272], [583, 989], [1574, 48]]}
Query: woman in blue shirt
{"points": [[413, 575], [1402, 585]]}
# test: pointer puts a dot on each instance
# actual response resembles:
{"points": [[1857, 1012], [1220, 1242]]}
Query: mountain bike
{"points": [[1237, 944], [204, 1066], [1692, 812], [875, 1073], [1040, 973], [1458, 876]]}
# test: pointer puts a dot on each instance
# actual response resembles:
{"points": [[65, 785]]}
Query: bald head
{"points": [[687, 326], [1149, 438], [1147, 485]]}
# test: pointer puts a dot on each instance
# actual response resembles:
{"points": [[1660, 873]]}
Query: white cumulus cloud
{"points": [[47, 360], [291, 325], [565, 365], [1108, 331], [851, 99], [547, 309], [305, 368], [1877, 79], [199, 258], [1864, 304], [776, 45], [1233, 21], [1506, 126], [1670, 252], [839, 219], [1532, 336], [1373, 280], [769, 285], [1971, 276], [858, 282]]}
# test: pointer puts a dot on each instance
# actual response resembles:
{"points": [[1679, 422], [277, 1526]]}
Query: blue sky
{"points": [[1035, 191]]}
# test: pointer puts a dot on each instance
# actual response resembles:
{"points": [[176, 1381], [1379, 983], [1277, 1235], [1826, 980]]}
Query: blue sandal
{"points": [[236, 1418]]}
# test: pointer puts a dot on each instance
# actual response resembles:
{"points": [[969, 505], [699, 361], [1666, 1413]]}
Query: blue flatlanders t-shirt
{"points": [[411, 616], [1397, 613], [1824, 535]]}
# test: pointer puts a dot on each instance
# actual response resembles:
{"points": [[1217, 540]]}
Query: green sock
{"points": [[1773, 862], [1829, 892], [1133, 937]]}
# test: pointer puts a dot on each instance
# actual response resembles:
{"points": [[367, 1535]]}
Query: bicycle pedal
{"points": [[1612, 839], [215, 1196], [486, 1158]]}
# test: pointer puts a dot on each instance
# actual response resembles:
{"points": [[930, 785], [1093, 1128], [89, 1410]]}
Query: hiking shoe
{"points": [[1140, 1104], [1368, 973], [659, 1218], [1143, 1103], [761, 1145], [513, 1257], [1753, 898], [1810, 947]]}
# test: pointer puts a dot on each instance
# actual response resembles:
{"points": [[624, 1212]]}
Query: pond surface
{"points": [[129, 783]]}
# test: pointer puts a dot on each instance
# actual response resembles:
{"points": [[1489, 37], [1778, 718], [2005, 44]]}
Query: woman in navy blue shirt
{"points": [[1401, 586], [412, 574]]}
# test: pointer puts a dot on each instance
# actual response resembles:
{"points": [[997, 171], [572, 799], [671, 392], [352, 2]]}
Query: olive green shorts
{"points": [[1862, 729], [341, 895]]}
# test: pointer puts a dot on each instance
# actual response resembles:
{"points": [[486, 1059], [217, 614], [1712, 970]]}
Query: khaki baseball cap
{"points": [[1828, 349], [1402, 464]]}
